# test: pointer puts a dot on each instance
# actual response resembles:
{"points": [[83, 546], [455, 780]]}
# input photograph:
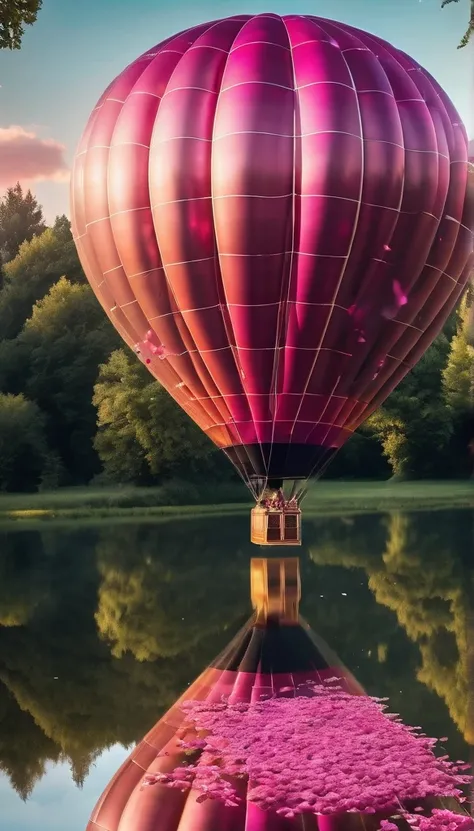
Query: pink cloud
{"points": [[26, 157]]}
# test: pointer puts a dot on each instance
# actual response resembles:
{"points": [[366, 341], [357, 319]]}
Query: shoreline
{"points": [[89, 506]]}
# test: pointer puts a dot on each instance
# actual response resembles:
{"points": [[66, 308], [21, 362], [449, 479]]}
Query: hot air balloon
{"points": [[274, 214], [275, 656]]}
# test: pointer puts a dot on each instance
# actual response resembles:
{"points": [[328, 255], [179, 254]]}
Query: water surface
{"points": [[101, 629]]}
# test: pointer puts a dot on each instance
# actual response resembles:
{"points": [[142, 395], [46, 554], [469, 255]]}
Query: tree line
{"points": [[76, 407]]}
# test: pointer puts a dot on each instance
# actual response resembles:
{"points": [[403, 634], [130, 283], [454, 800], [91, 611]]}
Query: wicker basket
{"points": [[275, 527]]}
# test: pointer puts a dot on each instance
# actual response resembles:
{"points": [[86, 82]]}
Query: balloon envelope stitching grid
{"points": [[336, 361]]}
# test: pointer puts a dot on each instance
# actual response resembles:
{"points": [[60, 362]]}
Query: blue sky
{"points": [[76, 48], [56, 803]]}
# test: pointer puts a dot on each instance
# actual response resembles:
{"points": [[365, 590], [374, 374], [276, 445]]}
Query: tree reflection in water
{"points": [[102, 628], [425, 575]]}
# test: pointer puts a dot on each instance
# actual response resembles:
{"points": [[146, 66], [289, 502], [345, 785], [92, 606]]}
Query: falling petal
{"points": [[400, 295]]}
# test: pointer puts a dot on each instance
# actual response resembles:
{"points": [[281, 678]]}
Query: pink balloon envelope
{"points": [[283, 203]]}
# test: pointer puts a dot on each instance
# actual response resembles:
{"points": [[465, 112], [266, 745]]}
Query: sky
{"points": [[75, 49], [56, 803]]}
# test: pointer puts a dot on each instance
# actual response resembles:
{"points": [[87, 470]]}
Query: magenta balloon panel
{"points": [[274, 213]]}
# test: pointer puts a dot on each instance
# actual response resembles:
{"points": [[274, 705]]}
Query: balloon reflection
{"points": [[71, 602], [276, 735]]}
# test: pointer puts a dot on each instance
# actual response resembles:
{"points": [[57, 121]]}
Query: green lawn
{"points": [[122, 503], [373, 496]]}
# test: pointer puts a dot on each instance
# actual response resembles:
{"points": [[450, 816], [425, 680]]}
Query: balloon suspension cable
{"points": [[246, 479], [300, 495], [293, 489]]}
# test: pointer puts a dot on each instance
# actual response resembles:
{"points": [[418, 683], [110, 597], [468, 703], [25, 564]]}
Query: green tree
{"points": [[14, 16], [414, 426], [451, 325], [23, 447], [142, 434], [54, 362], [120, 384], [361, 457], [458, 375], [21, 218], [470, 29], [37, 266], [458, 385], [470, 326]]}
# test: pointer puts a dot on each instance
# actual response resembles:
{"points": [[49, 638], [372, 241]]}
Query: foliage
{"points": [[38, 264], [470, 327], [23, 448], [21, 218], [458, 386], [142, 435], [470, 29], [54, 362], [363, 445], [414, 426], [14, 16], [458, 374]]}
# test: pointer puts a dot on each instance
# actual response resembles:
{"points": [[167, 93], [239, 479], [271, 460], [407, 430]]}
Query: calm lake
{"points": [[101, 628]]}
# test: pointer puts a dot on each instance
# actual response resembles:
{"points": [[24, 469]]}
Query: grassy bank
{"points": [[347, 497], [324, 498]]}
